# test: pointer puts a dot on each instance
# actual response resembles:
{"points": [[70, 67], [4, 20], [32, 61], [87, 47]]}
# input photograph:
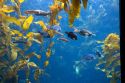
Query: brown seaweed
{"points": [[111, 59]]}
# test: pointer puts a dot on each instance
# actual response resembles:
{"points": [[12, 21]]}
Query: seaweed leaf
{"points": [[84, 3], [46, 63], [14, 53], [10, 19], [32, 64], [16, 32], [27, 22], [21, 1], [42, 24], [48, 53], [7, 9]]}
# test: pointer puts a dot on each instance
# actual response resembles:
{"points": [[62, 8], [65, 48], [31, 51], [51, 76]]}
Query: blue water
{"points": [[101, 17]]}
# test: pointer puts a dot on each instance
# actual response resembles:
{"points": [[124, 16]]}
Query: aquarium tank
{"points": [[59, 41]]}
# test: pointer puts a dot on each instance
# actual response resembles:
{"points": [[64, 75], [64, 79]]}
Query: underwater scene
{"points": [[59, 41]]}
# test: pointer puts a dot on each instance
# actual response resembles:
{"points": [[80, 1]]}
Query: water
{"points": [[101, 17]]}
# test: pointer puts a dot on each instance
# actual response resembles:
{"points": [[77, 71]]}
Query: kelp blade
{"points": [[85, 3], [10, 19], [28, 22]]}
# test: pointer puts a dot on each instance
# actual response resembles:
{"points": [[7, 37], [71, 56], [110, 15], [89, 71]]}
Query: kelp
{"points": [[45, 29], [72, 7], [55, 9], [7, 9], [39, 72], [74, 11], [17, 6], [110, 63], [31, 36], [51, 33], [42, 24], [5, 18], [27, 23], [32, 64], [15, 58], [28, 56], [12, 57], [14, 53], [20, 1], [16, 33], [85, 3], [46, 63], [48, 52]]}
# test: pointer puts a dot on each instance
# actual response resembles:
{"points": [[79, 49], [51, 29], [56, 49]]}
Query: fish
{"points": [[85, 32], [37, 12], [88, 57], [63, 39], [71, 35]]}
